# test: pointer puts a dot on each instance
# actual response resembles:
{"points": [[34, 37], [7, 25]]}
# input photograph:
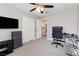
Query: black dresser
{"points": [[17, 39]]}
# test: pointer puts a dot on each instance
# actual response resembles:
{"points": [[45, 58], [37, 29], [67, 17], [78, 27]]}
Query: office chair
{"points": [[57, 35]]}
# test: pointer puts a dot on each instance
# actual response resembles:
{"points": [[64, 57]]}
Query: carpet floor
{"points": [[39, 47]]}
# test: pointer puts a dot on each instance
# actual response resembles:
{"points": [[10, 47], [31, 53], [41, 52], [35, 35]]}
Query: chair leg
{"points": [[57, 44], [62, 45]]}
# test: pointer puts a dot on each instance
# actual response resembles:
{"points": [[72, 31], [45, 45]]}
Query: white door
{"points": [[38, 29], [27, 29]]}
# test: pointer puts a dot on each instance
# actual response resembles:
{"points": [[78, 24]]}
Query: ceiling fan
{"points": [[40, 7]]}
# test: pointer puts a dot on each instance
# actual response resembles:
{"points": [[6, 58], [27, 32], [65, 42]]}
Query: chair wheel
{"points": [[62, 46], [56, 46], [52, 43]]}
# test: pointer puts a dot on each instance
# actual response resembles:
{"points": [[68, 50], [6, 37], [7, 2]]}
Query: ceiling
{"points": [[58, 7]]}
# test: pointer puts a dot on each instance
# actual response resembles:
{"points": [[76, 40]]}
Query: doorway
{"points": [[44, 28], [40, 29]]}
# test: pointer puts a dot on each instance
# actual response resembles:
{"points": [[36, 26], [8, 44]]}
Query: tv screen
{"points": [[6, 22]]}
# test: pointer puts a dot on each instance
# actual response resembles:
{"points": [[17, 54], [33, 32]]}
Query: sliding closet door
{"points": [[38, 29], [27, 29]]}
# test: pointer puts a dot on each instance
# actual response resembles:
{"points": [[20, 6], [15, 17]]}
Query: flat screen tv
{"points": [[8, 23]]}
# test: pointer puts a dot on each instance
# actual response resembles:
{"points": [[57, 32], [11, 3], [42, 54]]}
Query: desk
{"points": [[71, 43]]}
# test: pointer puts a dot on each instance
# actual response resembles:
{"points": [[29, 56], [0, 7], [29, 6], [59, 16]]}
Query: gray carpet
{"points": [[39, 47]]}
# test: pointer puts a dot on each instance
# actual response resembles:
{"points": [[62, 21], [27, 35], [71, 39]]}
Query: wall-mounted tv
{"points": [[8, 23]]}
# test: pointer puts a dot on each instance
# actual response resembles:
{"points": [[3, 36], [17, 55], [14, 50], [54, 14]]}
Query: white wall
{"points": [[31, 28], [28, 29], [67, 19], [78, 18], [12, 12]]}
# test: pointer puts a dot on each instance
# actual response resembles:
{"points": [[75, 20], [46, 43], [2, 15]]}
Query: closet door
{"points": [[38, 29], [27, 29]]}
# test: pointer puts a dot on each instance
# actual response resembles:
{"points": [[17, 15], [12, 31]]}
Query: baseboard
{"points": [[50, 39], [30, 40], [26, 41], [38, 38]]}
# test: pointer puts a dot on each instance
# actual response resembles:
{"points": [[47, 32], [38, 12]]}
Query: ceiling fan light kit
{"points": [[40, 9]]}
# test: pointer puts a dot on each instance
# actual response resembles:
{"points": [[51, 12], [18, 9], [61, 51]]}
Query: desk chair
{"points": [[57, 35]]}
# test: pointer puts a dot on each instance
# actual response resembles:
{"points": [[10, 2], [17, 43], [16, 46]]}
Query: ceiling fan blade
{"points": [[32, 9], [33, 3], [48, 6]]}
